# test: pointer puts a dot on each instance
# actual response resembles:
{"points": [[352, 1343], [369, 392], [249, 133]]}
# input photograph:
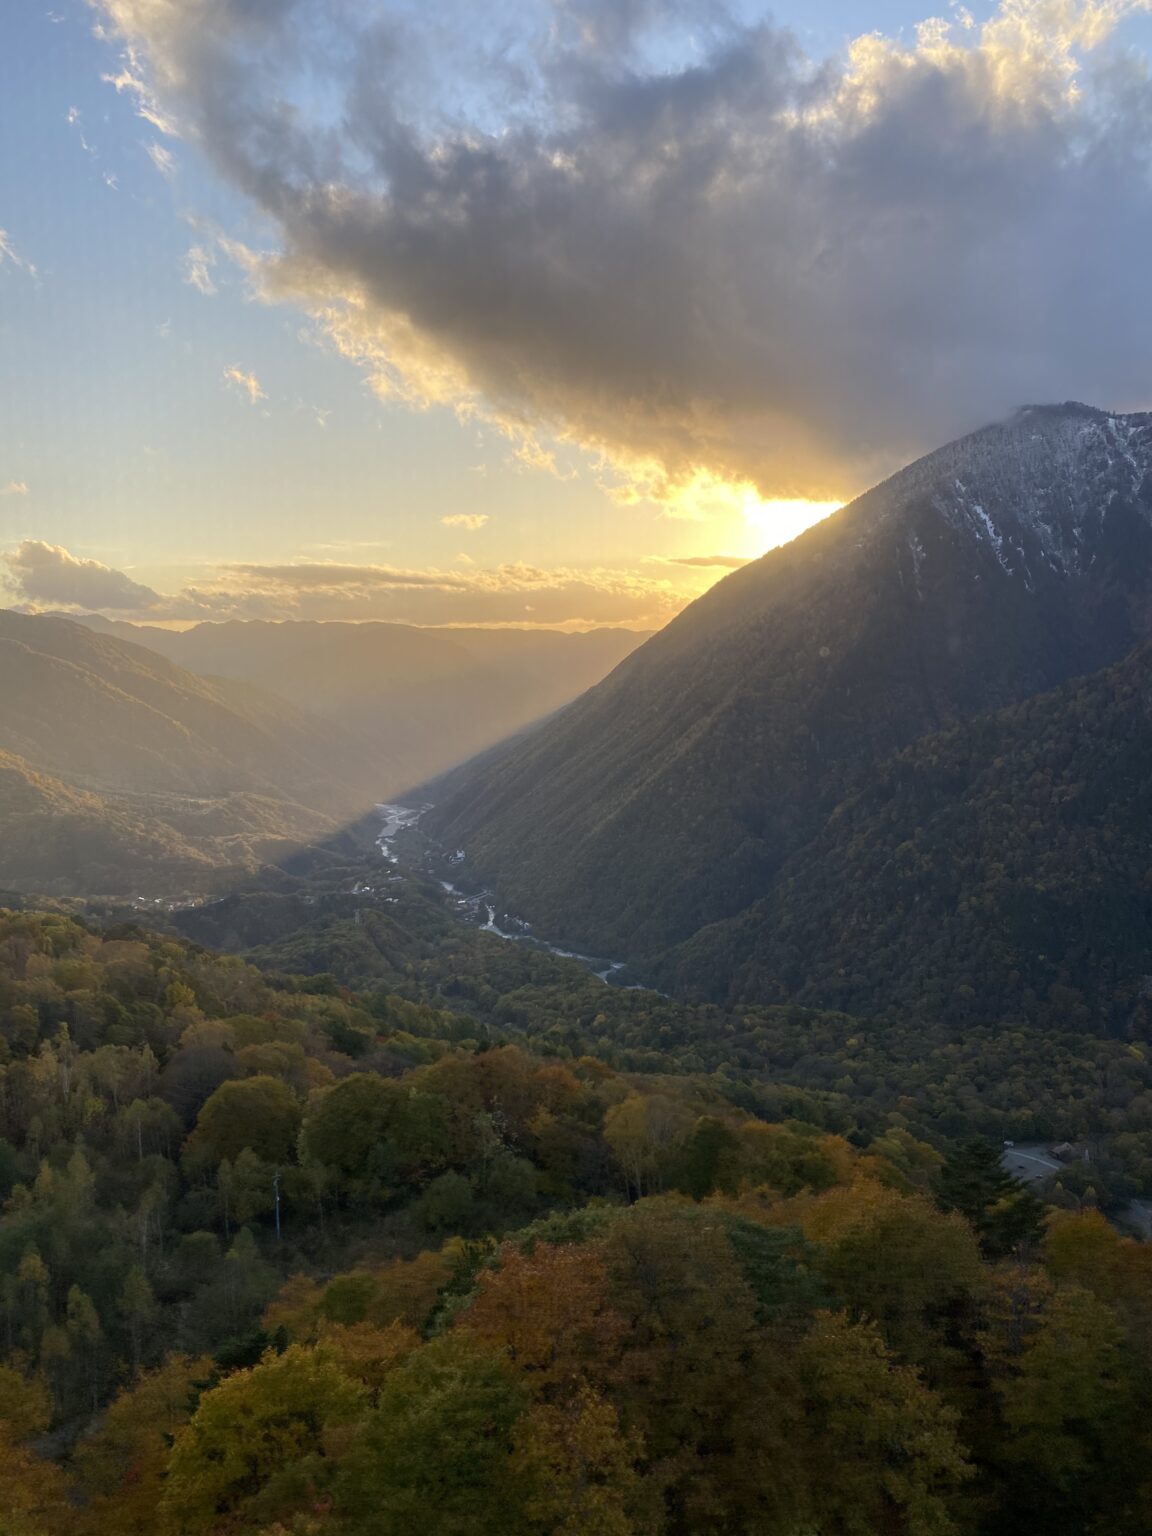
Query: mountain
{"points": [[50, 827], [115, 762], [1002, 869], [421, 700], [58, 840], [114, 716], [673, 795]]}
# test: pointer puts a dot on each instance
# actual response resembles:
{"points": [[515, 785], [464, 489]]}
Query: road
{"points": [[1031, 1163]]}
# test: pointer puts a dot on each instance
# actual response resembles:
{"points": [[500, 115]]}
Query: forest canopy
{"points": [[276, 1256]]}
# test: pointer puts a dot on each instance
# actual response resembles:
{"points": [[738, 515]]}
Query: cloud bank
{"points": [[724, 562], [667, 236], [43, 576], [48, 576]]}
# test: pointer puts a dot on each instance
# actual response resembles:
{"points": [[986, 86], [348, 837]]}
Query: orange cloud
{"points": [[47, 576]]}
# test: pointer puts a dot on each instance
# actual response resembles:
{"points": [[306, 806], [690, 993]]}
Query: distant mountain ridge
{"points": [[671, 796], [419, 700], [119, 769], [112, 716], [122, 770]]}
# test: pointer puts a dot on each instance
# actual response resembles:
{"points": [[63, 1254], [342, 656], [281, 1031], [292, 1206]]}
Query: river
{"points": [[478, 908]]}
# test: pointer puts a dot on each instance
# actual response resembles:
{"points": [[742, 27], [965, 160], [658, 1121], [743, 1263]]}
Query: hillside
{"points": [[111, 716], [59, 840], [120, 771], [671, 796], [999, 870], [421, 700]]}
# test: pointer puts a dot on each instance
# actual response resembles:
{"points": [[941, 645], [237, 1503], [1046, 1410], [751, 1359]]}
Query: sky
{"points": [[369, 309]]}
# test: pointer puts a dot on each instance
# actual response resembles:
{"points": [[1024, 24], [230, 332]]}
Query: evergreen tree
{"points": [[974, 1182]]}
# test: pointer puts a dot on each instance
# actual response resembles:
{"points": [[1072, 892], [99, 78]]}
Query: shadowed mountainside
{"points": [[671, 796]]}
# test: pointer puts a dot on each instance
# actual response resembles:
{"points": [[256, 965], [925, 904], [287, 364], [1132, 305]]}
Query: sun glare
{"points": [[744, 522], [777, 522]]}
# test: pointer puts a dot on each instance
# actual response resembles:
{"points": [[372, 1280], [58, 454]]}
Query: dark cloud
{"points": [[47, 576], [677, 241]]}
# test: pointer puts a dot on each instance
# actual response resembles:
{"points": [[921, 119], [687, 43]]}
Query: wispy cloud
{"points": [[10, 256], [472, 521], [670, 238], [319, 414], [14, 488], [506, 594], [724, 562], [73, 118], [247, 383], [198, 263], [161, 157], [130, 80]]}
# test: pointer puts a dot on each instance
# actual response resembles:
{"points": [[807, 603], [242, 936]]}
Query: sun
{"points": [[743, 521], [769, 523]]}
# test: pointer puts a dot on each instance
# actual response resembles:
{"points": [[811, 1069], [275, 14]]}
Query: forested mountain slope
{"points": [[59, 840], [1002, 869], [670, 796]]}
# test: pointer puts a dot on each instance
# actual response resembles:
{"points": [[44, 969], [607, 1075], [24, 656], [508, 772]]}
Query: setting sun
{"points": [[769, 523]]}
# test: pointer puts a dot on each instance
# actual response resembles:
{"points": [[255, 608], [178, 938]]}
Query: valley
{"points": [[304, 1087], [123, 772], [575, 768], [401, 831]]}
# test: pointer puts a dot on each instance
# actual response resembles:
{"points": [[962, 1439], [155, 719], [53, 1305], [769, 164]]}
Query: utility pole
{"points": [[276, 1195]]}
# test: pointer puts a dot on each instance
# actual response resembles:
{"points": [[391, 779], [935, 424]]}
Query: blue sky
{"points": [[112, 392], [162, 416]]}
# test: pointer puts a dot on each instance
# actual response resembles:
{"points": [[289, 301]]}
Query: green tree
{"points": [[446, 1203], [257, 1448], [709, 1159], [1072, 1435], [259, 1113], [974, 1182], [138, 1309], [436, 1454], [85, 1340], [882, 1449], [351, 1131]]}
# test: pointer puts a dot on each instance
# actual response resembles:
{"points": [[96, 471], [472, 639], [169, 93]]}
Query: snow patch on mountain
{"points": [[1033, 492]]}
